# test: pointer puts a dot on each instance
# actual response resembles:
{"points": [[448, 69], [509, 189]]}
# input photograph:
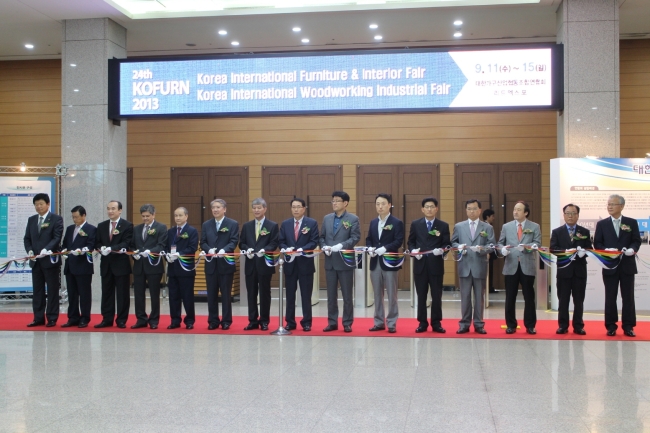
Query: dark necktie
{"points": [[571, 231], [40, 223], [178, 232], [145, 233], [429, 225]]}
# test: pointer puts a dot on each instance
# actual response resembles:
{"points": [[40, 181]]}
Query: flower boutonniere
{"points": [[224, 230], [484, 234], [185, 236], [388, 227], [304, 230], [579, 236], [434, 232], [151, 232], [264, 231], [46, 225], [116, 232], [347, 224], [527, 231], [624, 227], [82, 233]]}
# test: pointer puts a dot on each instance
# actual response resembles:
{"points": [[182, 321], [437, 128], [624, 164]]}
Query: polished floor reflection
{"points": [[105, 382]]}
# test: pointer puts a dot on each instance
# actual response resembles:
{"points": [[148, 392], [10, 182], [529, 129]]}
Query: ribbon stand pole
{"points": [[281, 330]]}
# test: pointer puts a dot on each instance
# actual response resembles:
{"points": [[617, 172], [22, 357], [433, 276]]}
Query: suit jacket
{"points": [[185, 246], [49, 238], [226, 240], [155, 243], [474, 262], [79, 265], [605, 237], [348, 237], [560, 240], [527, 260], [419, 237], [391, 239], [268, 242], [306, 241], [118, 264]]}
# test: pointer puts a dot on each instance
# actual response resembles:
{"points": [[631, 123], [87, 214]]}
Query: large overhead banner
{"points": [[361, 81]]}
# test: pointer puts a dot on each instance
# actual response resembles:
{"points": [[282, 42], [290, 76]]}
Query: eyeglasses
{"points": [[430, 207], [613, 204], [570, 213], [337, 201], [297, 207]]}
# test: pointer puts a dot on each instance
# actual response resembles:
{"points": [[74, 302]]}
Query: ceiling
{"points": [[38, 22]]}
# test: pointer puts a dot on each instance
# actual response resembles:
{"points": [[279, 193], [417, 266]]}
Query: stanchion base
{"points": [[281, 331]]}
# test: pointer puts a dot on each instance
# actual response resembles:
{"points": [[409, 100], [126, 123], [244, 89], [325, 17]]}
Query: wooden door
{"points": [[372, 180], [189, 190]]}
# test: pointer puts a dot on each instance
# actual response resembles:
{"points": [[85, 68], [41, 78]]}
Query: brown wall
{"points": [[635, 98]]}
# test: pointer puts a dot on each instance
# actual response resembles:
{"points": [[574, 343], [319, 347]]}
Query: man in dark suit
{"points": [[148, 237], [182, 242], [339, 231], [619, 233], [298, 234], [43, 234], [385, 235], [79, 239], [258, 236], [572, 278], [429, 234], [114, 237], [219, 235]]}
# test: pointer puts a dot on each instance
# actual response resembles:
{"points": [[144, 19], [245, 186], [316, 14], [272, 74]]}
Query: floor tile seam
{"points": [[485, 387]]}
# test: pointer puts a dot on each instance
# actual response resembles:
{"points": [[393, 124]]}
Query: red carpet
{"points": [[405, 328]]}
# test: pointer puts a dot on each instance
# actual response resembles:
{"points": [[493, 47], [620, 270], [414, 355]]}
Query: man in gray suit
{"points": [[475, 239], [340, 231], [520, 265]]}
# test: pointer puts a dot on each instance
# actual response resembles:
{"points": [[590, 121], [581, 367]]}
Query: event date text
{"points": [[145, 104]]}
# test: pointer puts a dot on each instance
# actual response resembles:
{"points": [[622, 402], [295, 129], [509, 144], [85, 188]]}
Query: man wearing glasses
{"points": [[619, 233], [339, 231], [572, 278]]}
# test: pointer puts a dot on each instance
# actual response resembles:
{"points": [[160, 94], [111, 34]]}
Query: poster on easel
{"points": [[588, 183], [16, 206]]}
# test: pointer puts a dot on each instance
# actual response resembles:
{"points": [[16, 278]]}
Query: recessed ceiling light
{"points": [[235, 43], [76, 90], [29, 46], [647, 154], [73, 65], [458, 23], [458, 34], [223, 32], [378, 37], [304, 40], [578, 120], [373, 26], [594, 108], [296, 29]]}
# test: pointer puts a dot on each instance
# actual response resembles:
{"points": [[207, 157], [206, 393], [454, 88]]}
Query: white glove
{"points": [[534, 246], [212, 250], [105, 251], [249, 253], [44, 252], [416, 251], [221, 252], [461, 246], [84, 250], [438, 251], [145, 253], [581, 252], [282, 250], [289, 250], [380, 251], [327, 250], [371, 251], [475, 248], [202, 254], [299, 250], [628, 251], [261, 252], [505, 251], [75, 252], [136, 256], [172, 257], [520, 247], [336, 248]]}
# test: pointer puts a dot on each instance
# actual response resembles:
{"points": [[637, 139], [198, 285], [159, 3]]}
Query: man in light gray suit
{"points": [[340, 231], [520, 265], [475, 239]]}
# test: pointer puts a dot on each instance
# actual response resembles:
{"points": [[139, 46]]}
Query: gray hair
{"points": [[258, 201], [218, 200], [183, 209], [148, 208], [620, 198]]}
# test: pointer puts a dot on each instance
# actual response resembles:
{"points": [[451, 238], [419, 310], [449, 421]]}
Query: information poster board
{"points": [[16, 206], [588, 182]]}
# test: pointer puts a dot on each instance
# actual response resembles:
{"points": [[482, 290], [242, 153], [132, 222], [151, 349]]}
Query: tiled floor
{"points": [[105, 382]]}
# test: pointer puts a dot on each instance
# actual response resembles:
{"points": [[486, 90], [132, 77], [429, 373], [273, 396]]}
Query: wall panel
{"points": [[635, 98]]}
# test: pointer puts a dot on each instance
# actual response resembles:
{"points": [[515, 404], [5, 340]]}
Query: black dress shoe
{"points": [[562, 331], [421, 329], [580, 331], [191, 326], [136, 326], [35, 323], [153, 326], [629, 333], [50, 324], [611, 332], [174, 326], [480, 330], [330, 328], [531, 331], [83, 325], [250, 327], [68, 325], [347, 328], [123, 325], [290, 327], [306, 328], [103, 325], [212, 326], [439, 329], [377, 328], [264, 327], [224, 326], [392, 330], [511, 330], [462, 331]]}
